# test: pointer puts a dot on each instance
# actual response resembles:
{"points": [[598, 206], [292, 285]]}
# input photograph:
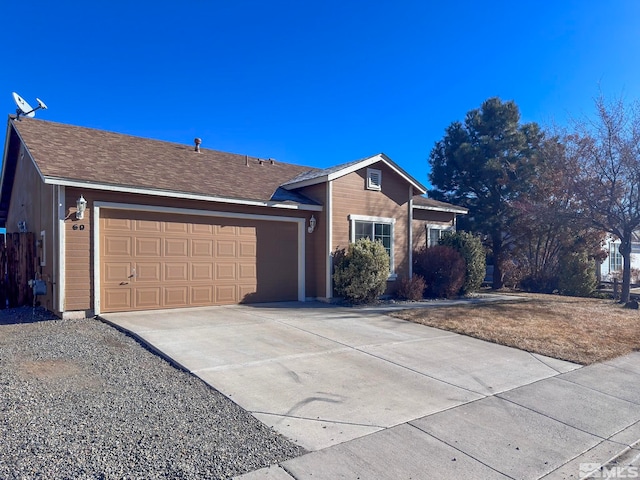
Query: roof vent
{"points": [[197, 141]]}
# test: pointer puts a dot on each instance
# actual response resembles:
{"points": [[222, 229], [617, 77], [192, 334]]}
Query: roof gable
{"points": [[313, 177]]}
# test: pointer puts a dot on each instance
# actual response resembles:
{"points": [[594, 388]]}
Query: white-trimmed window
{"points": [[374, 179], [377, 229], [434, 233], [615, 257]]}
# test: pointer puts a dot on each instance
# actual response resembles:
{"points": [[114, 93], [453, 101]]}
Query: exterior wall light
{"points": [[81, 206], [312, 224]]}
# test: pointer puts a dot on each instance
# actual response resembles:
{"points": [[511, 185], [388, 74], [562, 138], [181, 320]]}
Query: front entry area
{"points": [[152, 260]]}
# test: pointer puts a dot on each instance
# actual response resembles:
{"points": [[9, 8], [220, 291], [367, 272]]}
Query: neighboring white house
{"points": [[612, 265]]}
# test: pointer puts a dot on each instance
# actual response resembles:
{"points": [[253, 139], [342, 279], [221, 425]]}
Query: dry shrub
{"points": [[411, 288], [442, 268]]}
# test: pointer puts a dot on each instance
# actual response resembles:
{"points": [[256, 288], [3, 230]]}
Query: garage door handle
{"points": [[124, 283], [133, 274]]}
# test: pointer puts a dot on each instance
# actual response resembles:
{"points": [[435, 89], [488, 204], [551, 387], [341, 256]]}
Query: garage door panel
{"points": [[201, 228], [154, 260], [147, 297], [224, 230], [116, 272], [175, 297], [117, 298], [148, 247], [226, 248], [245, 292], [148, 226], [176, 247], [202, 295], [246, 232], [176, 227], [146, 272], [117, 224], [226, 294], [117, 246], [176, 271], [202, 272], [201, 248], [246, 271], [247, 249], [225, 271]]}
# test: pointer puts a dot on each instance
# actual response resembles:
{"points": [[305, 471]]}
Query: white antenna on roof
{"points": [[24, 108]]}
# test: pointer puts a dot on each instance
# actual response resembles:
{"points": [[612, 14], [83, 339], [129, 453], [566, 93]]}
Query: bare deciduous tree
{"points": [[606, 150]]}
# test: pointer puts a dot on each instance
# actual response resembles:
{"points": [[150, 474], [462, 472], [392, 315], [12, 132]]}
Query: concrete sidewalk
{"points": [[375, 397]]}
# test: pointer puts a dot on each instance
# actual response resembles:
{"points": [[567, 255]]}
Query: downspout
{"points": [[54, 247], [61, 239]]}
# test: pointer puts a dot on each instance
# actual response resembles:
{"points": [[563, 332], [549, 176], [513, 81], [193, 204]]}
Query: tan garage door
{"points": [[153, 261]]}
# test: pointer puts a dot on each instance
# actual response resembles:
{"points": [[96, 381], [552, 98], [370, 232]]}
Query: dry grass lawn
{"points": [[580, 330]]}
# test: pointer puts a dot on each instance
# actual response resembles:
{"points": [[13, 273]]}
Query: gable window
{"points": [[374, 179], [377, 229]]}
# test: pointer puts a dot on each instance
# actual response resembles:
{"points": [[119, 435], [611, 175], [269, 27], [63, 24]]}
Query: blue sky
{"points": [[313, 83]]}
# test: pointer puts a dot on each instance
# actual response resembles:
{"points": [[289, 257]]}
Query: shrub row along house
{"points": [[126, 223]]}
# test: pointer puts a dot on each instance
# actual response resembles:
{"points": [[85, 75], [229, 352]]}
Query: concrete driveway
{"points": [[368, 393]]}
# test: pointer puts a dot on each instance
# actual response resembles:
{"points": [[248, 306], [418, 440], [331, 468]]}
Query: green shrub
{"points": [[471, 248], [540, 283], [411, 288], [443, 270], [577, 275], [361, 272]]}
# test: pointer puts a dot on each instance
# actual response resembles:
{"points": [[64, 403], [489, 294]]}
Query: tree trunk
{"points": [[625, 251], [497, 260]]}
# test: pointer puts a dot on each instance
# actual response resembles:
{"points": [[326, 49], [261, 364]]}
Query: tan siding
{"points": [[31, 201], [316, 247], [350, 197], [423, 218], [78, 264]]}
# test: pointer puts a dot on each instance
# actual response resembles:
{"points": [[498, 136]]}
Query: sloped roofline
{"points": [[329, 174], [438, 208], [176, 194], [70, 182]]}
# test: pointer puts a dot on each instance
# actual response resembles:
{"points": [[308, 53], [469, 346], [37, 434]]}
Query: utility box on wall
{"points": [[39, 287]]}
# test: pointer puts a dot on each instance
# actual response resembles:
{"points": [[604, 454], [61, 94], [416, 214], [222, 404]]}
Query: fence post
{"points": [[20, 268]]}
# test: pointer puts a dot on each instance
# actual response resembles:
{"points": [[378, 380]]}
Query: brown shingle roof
{"points": [[430, 204], [67, 152]]}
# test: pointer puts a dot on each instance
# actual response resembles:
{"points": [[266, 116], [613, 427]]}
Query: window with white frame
{"points": [[377, 229], [434, 233], [374, 179], [615, 258]]}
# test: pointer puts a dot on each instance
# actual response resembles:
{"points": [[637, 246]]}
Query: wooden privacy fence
{"points": [[17, 267]]}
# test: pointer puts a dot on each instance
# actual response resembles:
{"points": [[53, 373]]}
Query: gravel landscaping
{"points": [[81, 400]]}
